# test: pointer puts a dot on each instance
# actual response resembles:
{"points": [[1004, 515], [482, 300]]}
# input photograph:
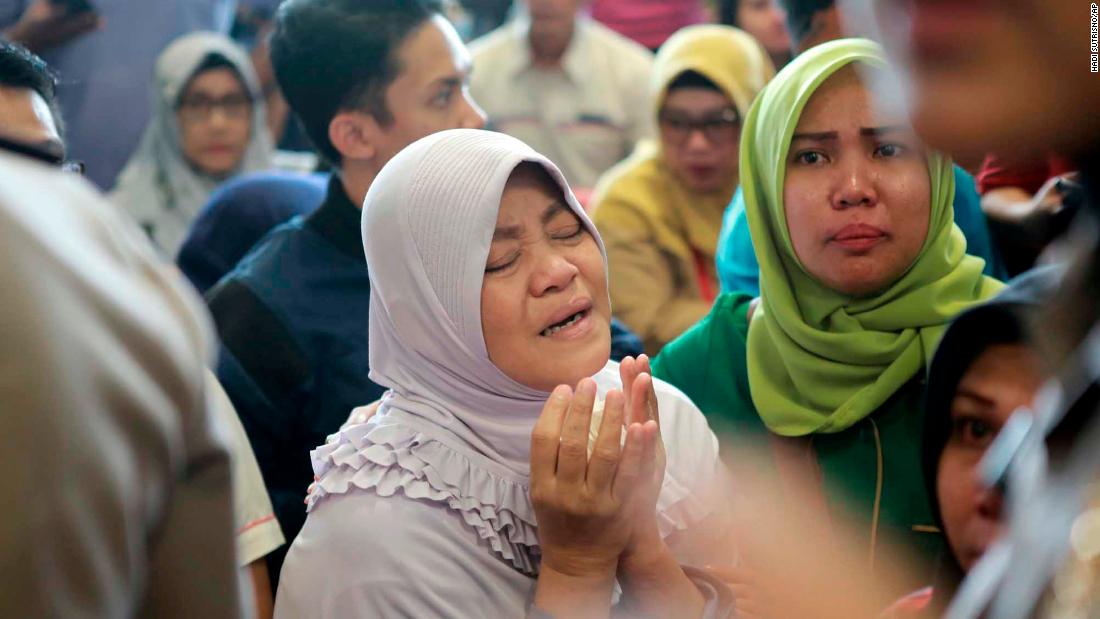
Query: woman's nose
{"points": [[696, 141], [219, 118], [856, 188], [554, 273]]}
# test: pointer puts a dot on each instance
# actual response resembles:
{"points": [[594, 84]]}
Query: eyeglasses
{"points": [[718, 129], [201, 107]]}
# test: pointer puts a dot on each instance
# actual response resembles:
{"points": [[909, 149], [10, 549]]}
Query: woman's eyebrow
{"points": [[974, 396], [552, 211], [508, 233], [877, 131], [511, 233], [818, 136]]}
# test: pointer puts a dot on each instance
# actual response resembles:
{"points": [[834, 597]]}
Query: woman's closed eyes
{"points": [[506, 253]]}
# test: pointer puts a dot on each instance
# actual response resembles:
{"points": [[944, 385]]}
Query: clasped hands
{"points": [[598, 514]]}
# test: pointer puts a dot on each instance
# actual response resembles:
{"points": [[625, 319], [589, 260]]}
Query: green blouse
{"points": [[872, 468]]}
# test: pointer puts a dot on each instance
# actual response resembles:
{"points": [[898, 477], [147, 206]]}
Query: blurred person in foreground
{"points": [[29, 112], [962, 62], [121, 471], [25, 95]]}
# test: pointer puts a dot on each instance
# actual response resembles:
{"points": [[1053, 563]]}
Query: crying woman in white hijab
{"points": [[207, 125], [512, 468]]}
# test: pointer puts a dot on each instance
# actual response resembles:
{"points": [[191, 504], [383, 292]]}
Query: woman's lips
{"points": [[578, 326], [701, 171], [859, 237]]}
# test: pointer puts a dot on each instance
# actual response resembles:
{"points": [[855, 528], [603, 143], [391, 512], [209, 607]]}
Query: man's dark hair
{"points": [[800, 15], [20, 68], [335, 55]]}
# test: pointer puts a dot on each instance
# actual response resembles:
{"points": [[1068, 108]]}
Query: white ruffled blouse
{"points": [[401, 524]]}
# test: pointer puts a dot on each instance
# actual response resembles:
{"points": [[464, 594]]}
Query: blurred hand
{"points": [[44, 25], [583, 506], [1049, 197], [1045, 216], [752, 598]]}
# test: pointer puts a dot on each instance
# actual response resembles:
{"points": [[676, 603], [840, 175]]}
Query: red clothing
{"points": [[1030, 176], [648, 22]]}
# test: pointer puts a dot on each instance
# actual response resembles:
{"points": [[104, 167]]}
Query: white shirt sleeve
{"points": [[258, 532]]}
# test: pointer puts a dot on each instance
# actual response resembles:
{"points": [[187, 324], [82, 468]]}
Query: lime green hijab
{"points": [[820, 360]]}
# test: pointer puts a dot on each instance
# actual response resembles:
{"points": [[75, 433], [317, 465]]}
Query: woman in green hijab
{"points": [[862, 268]]}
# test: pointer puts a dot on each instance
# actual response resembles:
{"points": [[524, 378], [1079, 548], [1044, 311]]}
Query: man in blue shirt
{"points": [[366, 79]]}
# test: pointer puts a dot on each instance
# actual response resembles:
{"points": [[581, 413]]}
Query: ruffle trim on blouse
{"points": [[387, 458]]}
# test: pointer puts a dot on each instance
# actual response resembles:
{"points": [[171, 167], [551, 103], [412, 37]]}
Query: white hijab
{"points": [[157, 187], [456, 429]]}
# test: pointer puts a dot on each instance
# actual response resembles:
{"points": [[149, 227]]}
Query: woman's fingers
{"points": [[605, 455], [546, 437], [643, 403], [648, 469], [573, 449], [652, 410], [627, 373], [632, 462]]}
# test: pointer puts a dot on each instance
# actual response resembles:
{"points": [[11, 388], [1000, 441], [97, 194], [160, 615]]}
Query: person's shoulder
{"points": [[279, 265], [81, 237], [493, 44], [621, 48], [726, 324], [713, 346], [629, 186], [284, 239], [351, 516]]}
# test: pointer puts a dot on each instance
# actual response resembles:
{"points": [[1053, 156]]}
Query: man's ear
{"points": [[353, 134]]}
